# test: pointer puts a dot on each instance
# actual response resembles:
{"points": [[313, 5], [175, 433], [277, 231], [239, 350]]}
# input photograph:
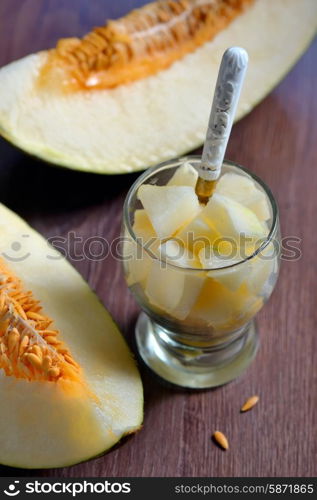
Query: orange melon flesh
{"points": [[138, 45], [29, 347], [69, 386]]}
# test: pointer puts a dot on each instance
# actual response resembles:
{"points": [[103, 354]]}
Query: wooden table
{"points": [[278, 142]]}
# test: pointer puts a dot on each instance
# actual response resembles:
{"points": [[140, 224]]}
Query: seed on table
{"points": [[221, 440], [250, 403]]}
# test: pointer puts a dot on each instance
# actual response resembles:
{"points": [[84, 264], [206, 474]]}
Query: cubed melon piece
{"points": [[168, 207], [185, 175], [238, 187], [217, 305], [175, 253], [233, 220], [164, 286], [170, 289], [250, 309], [142, 226], [138, 255], [230, 277], [243, 189], [197, 234], [263, 272], [136, 261], [261, 208]]}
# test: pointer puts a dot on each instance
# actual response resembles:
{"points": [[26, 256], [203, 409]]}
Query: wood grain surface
{"points": [[277, 141]]}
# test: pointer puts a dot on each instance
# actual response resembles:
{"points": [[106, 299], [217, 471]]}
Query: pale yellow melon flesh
{"points": [[168, 207], [185, 175], [133, 126], [137, 261], [43, 424], [172, 290], [242, 188], [201, 275], [233, 220]]}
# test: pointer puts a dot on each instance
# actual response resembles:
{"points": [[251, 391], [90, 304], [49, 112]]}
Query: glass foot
{"points": [[191, 366]]}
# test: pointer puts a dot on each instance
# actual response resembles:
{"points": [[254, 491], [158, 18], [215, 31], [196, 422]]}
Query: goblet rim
{"points": [[173, 163]]}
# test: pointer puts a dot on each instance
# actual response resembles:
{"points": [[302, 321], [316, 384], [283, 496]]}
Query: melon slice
{"points": [[157, 117], [168, 207], [69, 388], [243, 189]]}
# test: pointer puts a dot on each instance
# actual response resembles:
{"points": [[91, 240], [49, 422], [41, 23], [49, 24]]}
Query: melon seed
{"points": [[248, 405], [37, 350], [34, 360], [53, 372], [36, 316], [52, 340], [13, 339], [28, 347], [23, 345], [49, 333], [47, 362], [221, 440], [2, 301], [70, 360], [171, 27]]}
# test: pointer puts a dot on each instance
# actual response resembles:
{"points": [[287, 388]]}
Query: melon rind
{"points": [[157, 118], [42, 424]]}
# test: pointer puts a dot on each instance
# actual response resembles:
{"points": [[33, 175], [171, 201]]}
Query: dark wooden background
{"points": [[278, 142]]}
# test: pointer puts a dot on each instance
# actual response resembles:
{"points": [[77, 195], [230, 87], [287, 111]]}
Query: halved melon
{"points": [[69, 387], [163, 112]]}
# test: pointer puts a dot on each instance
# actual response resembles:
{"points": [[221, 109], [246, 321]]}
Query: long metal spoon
{"points": [[228, 88]]}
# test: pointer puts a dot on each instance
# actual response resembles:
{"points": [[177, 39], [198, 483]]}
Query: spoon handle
{"points": [[228, 87]]}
